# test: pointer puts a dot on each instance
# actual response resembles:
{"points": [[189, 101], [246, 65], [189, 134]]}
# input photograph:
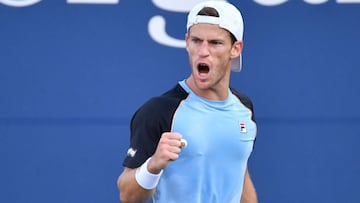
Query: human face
{"points": [[210, 54]]}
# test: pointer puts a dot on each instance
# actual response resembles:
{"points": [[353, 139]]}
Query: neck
{"points": [[215, 92]]}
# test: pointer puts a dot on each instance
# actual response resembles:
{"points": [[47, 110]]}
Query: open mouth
{"points": [[203, 68]]}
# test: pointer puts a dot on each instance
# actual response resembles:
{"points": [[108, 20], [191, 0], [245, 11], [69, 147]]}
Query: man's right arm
{"points": [[168, 150], [130, 190]]}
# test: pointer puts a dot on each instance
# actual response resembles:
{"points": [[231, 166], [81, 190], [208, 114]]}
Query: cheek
{"points": [[191, 50], [223, 63], [192, 55], [222, 58], [191, 61]]}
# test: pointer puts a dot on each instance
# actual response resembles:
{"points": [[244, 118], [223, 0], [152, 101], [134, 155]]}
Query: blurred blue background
{"points": [[72, 74]]}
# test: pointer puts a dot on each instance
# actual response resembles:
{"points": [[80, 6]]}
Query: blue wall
{"points": [[72, 74]]}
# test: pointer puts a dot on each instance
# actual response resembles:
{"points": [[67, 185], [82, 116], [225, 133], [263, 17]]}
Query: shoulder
{"points": [[243, 98], [169, 99], [162, 105]]}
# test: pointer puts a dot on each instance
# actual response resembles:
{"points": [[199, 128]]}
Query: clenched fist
{"points": [[168, 149]]}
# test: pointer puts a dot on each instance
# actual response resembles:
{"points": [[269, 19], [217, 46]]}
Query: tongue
{"points": [[203, 69]]}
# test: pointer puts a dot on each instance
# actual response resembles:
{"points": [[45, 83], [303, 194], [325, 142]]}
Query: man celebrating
{"points": [[192, 143]]}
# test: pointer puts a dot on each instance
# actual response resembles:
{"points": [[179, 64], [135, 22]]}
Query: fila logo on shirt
{"points": [[243, 127]]}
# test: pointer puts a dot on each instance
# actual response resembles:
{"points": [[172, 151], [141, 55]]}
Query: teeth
{"points": [[202, 65]]}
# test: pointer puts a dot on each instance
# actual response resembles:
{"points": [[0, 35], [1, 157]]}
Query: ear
{"points": [[187, 41], [236, 49]]}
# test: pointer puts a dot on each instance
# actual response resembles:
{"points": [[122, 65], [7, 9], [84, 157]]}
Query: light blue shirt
{"points": [[220, 137]]}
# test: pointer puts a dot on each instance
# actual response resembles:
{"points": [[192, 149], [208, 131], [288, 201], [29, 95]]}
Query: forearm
{"points": [[130, 190], [249, 192]]}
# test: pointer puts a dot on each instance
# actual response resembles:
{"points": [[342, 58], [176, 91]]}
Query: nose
{"points": [[204, 49]]}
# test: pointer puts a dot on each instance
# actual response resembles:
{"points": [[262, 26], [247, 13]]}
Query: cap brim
{"points": [[236, 64]]}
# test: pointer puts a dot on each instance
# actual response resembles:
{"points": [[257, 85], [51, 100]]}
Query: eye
{"points": [[196, 40], [216, 42]]}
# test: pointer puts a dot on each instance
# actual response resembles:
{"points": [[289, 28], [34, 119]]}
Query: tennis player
{"points": [[192, 143]]}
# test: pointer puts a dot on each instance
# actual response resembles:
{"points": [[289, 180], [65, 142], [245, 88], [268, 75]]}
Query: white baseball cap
{"points": [[229, 18]]}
